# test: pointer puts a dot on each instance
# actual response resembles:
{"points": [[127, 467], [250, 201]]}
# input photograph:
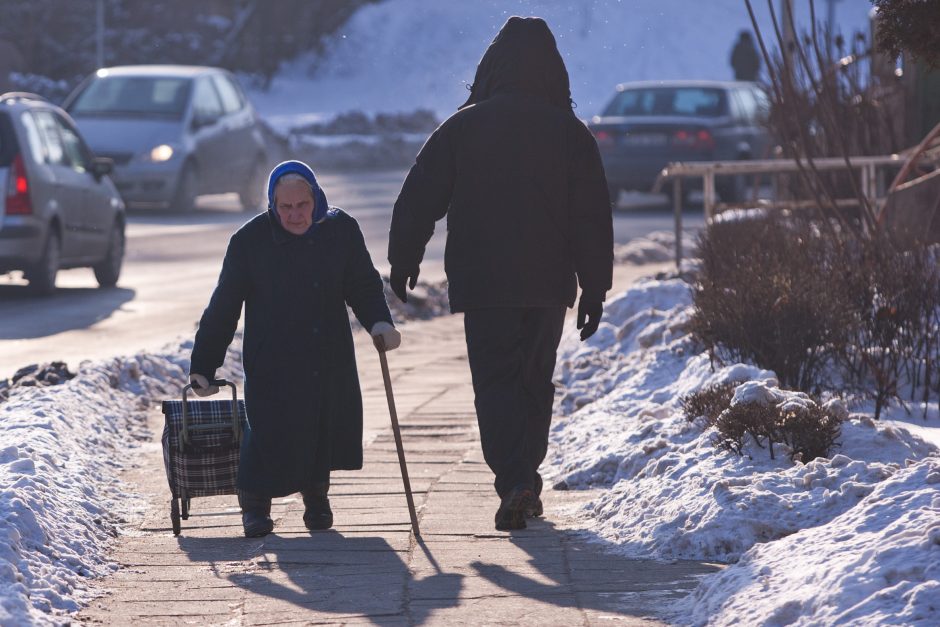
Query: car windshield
{"points": [[146, 96], [670, 101]]}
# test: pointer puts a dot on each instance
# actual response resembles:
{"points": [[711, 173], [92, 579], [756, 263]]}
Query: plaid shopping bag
{"points": [[205, 462]]}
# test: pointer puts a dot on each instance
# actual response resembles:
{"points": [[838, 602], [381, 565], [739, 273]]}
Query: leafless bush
{"points": [[808, 431], [827, 103], [769, 292], [896, 334], [708, 403]]}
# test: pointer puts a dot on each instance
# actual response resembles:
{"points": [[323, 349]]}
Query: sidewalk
{"points": [[369, 569]]}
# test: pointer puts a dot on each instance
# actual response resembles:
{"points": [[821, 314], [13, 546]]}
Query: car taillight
{"points": [[701, 139], [18, 202], [603, 137]]}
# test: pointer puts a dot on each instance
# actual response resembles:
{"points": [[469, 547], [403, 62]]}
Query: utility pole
{"points": [[99, 32]]}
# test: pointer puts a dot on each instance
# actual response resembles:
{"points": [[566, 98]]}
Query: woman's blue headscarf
{"points": [[301, 168]]}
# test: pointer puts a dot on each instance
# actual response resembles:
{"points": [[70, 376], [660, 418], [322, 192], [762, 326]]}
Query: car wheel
{"points": [[42, 276], [253, 194], [109, 270], [186, 189]]}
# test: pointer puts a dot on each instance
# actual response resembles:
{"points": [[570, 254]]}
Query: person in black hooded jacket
{"points": [[528, 219]]}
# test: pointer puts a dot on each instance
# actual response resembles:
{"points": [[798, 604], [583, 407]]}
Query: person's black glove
{"points": [[589, 316], [399, 278]]}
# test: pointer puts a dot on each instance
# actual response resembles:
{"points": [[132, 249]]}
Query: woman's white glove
{"points": [[201, 385], [385, 336]]}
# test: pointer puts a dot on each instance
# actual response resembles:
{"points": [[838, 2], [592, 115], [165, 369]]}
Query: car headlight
{"points": [[161, 153]]}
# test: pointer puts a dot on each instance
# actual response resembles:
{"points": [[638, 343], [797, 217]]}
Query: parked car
{"points": [[173, 132], [647, 125], [59, 208]]}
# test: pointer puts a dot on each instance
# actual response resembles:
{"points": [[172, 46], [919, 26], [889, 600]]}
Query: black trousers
{"points": [[512, 358]]}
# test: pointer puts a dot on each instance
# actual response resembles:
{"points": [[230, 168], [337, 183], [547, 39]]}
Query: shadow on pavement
{"points": [[28, 316], [347, 576], [595, 578]]}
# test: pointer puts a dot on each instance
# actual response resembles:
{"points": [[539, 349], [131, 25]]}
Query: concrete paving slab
{"points": [[370, 569]]}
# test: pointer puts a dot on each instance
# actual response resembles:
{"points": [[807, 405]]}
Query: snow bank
{"points": [[655, 247], [877, 564], [61, 502], [672, 494], [401, 55]]}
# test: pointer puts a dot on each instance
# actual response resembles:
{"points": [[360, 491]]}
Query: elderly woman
{"points": [[295, 268]]}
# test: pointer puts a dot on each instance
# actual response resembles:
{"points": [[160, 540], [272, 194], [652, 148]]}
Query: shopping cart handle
{"points": [[236, 419]]}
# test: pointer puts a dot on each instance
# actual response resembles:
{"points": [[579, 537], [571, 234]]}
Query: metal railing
{"points": [[872, 182]]}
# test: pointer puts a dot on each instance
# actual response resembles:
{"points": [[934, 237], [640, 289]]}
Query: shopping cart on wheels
{"points": [[201, 441]]}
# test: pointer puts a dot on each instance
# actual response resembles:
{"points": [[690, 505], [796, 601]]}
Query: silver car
{"points": [[59, 208], [173, 132]]}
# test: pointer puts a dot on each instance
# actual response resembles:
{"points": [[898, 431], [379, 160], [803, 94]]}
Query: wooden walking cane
{"points": [[380, 345]]}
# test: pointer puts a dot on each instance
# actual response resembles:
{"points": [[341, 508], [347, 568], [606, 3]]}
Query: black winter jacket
{"points": [[521, 182]]}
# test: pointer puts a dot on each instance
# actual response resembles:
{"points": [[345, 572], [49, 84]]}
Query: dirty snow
{"points": [[670, 494], [62, 505]]}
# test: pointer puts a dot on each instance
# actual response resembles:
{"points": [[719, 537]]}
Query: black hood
{"points": [[522, 59]]}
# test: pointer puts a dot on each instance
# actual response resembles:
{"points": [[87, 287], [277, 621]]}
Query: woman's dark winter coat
{"points": [[301, 381], [521, 181]]}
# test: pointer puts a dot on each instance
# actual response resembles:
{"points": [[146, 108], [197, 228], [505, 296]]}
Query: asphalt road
{"points": [[171, 266]]}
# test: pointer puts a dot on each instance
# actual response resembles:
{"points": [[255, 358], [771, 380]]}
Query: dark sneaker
{"points": [[512, 511], [256, 524], [317, 512]]}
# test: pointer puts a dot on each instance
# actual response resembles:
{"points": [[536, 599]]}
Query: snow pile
{"points": [[877, 564], [402, 55], [672, 494], [655, 247], [61, 502]]}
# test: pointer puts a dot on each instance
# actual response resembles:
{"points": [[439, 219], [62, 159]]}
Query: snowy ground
{"points": [[62, 504], [850, 539], [403, 55]]}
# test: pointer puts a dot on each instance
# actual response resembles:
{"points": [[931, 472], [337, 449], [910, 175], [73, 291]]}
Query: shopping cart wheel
{"points": [[185, 501], [175, 516]]}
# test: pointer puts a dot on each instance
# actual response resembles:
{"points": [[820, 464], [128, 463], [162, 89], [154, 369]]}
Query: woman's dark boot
{"points": [[317, 512], [256, 514]]}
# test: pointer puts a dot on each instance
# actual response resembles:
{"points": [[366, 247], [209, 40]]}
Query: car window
{"points": [[147, 96], [206, 103], [49, 130], [231, 98], [7, 140], [74, 149], [762, 104], [671, 101], [748, 105], [37, 147]]}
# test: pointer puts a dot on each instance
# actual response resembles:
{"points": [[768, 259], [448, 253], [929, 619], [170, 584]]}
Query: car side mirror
{"points": [[203, 119], [101, 166]]}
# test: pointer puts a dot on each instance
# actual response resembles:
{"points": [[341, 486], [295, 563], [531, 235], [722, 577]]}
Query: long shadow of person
{"points": [[328, 573], [594, 577]]}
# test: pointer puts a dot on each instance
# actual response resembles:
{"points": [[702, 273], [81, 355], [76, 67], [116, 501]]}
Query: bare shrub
{"points": [[708, 402], [895, 342], [769, 292], [808, 430]]}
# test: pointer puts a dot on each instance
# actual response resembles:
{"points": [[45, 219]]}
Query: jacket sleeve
{"points": [[220, 319], [362, 286], [424, 199], [591, 218]]}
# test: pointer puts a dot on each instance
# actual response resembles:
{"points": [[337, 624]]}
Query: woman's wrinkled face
{"points": [[293, 201]]}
